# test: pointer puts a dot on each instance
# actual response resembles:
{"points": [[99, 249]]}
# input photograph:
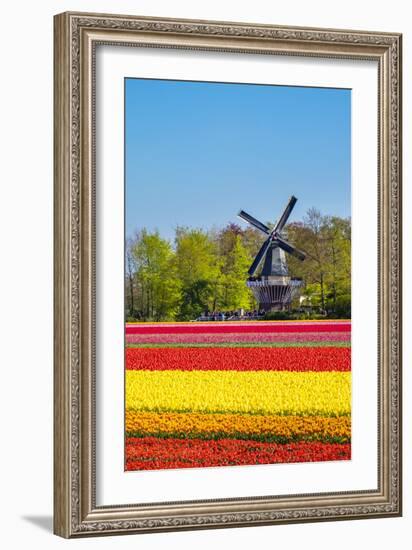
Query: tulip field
{"points": [[236, 393]]}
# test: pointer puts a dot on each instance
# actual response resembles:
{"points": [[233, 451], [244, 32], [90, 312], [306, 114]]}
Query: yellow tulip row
{"points": [[256, 392]]}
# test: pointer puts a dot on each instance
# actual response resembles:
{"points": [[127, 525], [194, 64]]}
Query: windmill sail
{"points": [[273, 242], [259, 256], [284, 245], [285, 216], [253, 221]]}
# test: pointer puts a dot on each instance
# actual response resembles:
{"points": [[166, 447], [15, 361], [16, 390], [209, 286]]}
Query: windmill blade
{"points": [[259, 256], [253, 221], [286, 213], [284, 245]]}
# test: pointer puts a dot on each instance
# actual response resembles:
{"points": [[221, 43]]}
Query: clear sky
{"points": [[198, 152]]}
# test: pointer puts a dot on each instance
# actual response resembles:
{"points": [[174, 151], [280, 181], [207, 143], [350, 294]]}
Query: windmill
{"points": [[274, 289]]}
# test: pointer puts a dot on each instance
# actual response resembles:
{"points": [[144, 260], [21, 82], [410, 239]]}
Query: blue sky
{"points": [[197, 152]]}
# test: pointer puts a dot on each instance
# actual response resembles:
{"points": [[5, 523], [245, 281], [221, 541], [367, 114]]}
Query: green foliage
{"points": [[294, 315], [196, 296], [207, 271], [157, 286], [326, 271], [234, 292], [277, 315], [130, 319], [199, 271]]}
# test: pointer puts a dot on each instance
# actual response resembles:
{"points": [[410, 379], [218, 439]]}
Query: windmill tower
{"points": [[274, 289]]}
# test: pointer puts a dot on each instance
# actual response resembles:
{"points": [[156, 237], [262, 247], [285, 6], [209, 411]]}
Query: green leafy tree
{"points": [[326, 270], [156, 276], [337, 234], [130, 272], [235, 293], [198, 269], [252, 240]]}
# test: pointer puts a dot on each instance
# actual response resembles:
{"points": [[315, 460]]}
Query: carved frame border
{"points": [[75, 38]]}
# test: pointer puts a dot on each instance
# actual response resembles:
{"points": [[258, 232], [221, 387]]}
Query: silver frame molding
{"points": [[75, 38]]}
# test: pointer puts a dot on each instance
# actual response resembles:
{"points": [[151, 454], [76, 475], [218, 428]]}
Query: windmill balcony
{"points": [[274, 293]]}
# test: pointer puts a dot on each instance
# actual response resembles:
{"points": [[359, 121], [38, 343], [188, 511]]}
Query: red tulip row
{"points": [[240, 359], [199, 328], [151, 453]]}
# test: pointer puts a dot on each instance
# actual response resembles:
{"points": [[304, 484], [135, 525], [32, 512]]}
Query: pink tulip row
{"points": [[243, 337]]}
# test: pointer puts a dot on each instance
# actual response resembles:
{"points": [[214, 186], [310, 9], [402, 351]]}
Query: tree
{"points": [[198, 269], [326, 270], [156, 276], [252, 240], [338, 277], [235, 293], [318, 258], [130, 271]]}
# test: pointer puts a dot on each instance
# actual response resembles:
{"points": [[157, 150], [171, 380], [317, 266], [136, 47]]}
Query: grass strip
{"points": [[242, 345]]}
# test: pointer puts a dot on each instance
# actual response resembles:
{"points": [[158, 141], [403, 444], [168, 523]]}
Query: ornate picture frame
{"points": [[76, 510]]}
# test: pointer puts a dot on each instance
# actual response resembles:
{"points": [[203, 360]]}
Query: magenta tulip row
{"points": [[241, 337]]}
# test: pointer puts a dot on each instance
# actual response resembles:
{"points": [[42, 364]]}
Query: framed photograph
{"points": [[227, 274]]}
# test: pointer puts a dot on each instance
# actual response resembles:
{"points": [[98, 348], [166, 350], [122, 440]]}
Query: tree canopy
{"points": [[326, 271], [207, 270]]}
